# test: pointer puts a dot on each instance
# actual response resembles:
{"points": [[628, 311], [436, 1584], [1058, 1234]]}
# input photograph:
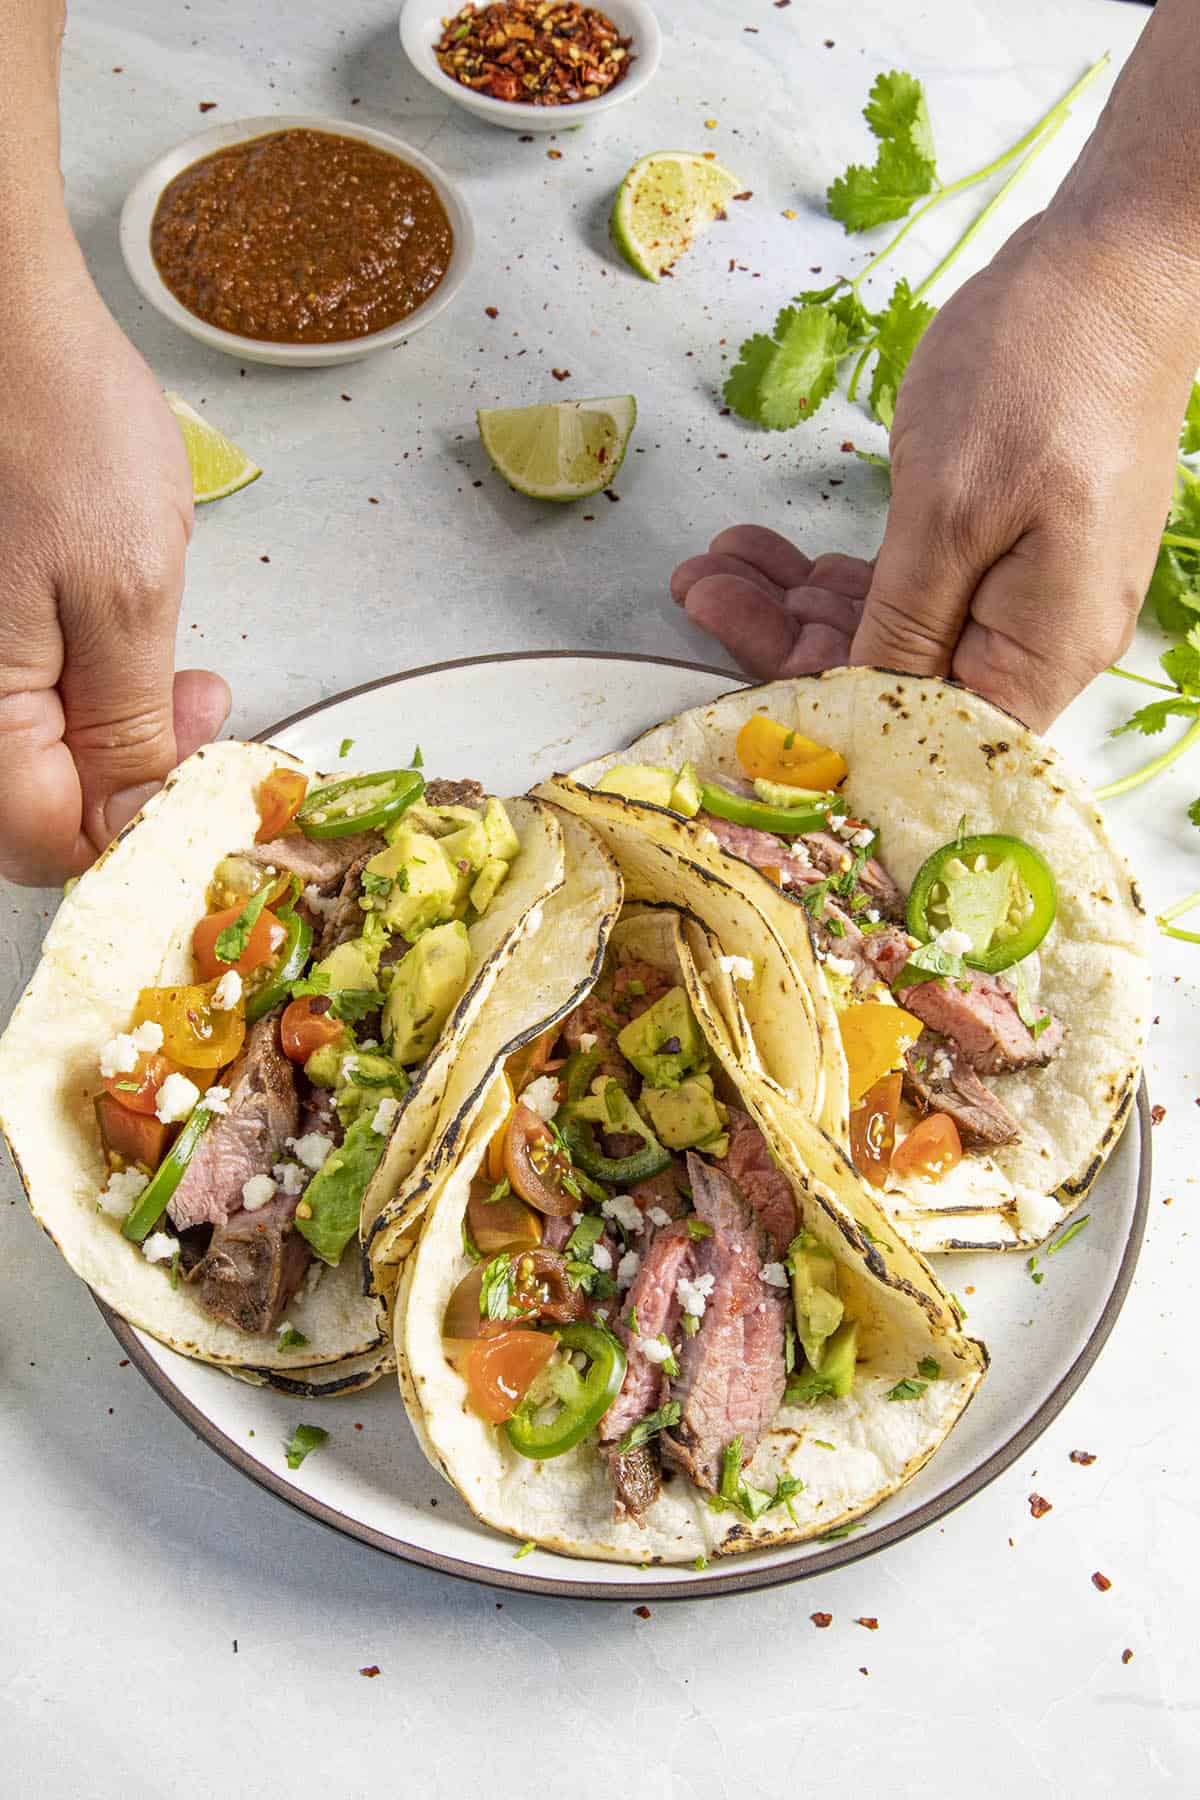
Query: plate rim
{"points": [[719, 1581]]}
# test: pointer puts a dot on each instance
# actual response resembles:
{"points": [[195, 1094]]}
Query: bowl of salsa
{"points": [[301, 241]]}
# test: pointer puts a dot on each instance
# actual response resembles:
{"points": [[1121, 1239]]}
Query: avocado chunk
{"points": [[365, 1079], [351, 965], [486, 884], [836, 1365], [776, 793], [609, 1106], [438, 821], [665, 1044], [685, 795], [815, 1295], [638, 781], [425, 885], [685, 1116], [328, 1214], [425, 988], [501, 833], [324, 1066], [471, 845]]}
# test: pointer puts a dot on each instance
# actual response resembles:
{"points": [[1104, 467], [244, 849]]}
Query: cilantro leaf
{"points": [[291, 1339], [782, 379], [864, 197], [929, 963], [496, 1288], [650, 1426], [346, 748], [898, 333], [355, 1003], [930, 1368], [908, 1389], [1193, 812], [586, 1234], [376, 884], [305, 1439], [1034, 1021], [1189, 436], [1150, 720], [806, 1387], [1182, 664], [896, 109], [231, 943]]}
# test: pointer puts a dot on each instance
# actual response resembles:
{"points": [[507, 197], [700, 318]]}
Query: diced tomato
{"points": [[873, 1129], [266, 940], [931, 1148], [524, 1065], [502, 1369], [503, 1224], [769, 751], [133, 1136], [875, 1038], [279, 798], [196, 1034], [307, 1025], [137, 1090], [535, 1165]]}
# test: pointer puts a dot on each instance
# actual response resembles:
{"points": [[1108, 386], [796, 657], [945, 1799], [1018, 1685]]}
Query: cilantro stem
{"points": [[1163, 919], [1180, 543], [1145, 680], [1149, 770]]}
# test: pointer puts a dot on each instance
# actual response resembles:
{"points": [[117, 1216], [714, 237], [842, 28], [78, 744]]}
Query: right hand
{"points": [[95, 517]]}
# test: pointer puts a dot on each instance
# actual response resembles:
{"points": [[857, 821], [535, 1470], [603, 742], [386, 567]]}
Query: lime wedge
{"points": [[665, 201], [562, 451], [218, 466]]}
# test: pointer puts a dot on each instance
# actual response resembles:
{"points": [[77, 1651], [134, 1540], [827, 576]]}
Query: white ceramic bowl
{"points": [[421, 27], [138, 212]]}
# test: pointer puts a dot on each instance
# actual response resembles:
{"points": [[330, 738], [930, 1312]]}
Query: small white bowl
{"points": [[138, 213], [421, 27]]}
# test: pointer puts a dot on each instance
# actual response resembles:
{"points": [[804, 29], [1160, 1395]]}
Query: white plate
{"points": [[421, 27], [516, 719], [137, 217]]}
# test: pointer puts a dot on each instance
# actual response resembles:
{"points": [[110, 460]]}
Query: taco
{"points": [[269, 975], [645, 1330], [966, 945]]}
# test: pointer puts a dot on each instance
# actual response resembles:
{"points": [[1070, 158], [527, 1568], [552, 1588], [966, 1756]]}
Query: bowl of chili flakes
{"points": [[534, 65]]}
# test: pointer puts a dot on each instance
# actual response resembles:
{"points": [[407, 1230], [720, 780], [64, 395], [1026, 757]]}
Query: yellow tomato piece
{"points": [[196, 1034], [495, 1153], [769, 751], [875, 1037]]}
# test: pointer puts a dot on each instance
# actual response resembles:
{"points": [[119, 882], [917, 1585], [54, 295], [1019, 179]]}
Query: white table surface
{"points": [[165, 1627]]}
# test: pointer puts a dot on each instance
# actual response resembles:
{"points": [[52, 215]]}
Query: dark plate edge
{"points": [[713, 1583]]}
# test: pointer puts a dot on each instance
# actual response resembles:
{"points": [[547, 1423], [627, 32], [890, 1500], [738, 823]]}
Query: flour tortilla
{"points": [[566, 1504], [922, 754], [127, 925]]}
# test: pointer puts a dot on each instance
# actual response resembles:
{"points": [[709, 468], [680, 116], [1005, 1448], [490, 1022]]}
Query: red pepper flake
{"points": [[1101, 1582], [357, 1425], [609, 495], [1085, 1458], [780, 4], [847, 445], [264, 559], [345, 396], [356, 101], [124, 1363], [642, 1612], [118, 68], [1127, 1656], [493, 312], [1038, 1506], [554, 155], [561, 374], [370, 1671], [822, 1621], [589, 518], [748, 195], [870, 1624], [1157, 1114], [829, 43], [207, 105], [526, 137], [371, 500], [537, 52]]}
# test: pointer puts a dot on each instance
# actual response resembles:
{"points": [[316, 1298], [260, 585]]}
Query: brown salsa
{"points": [[301, 237]]}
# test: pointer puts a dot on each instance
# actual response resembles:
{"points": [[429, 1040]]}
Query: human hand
{"points": [[95, 516], [1033, 454]]}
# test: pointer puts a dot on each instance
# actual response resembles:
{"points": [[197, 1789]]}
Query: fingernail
{"points": [[119, 808]]}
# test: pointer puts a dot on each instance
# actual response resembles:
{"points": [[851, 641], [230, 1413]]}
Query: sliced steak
{"points": [[248, 1140], [555, 1231], [254, 1265], [663, 1191], [636, 986], [981, 1017], [833, 855], [732, 1371], [939, 1078], [763, 851], [637, 1480], [318, 1113], [453, 793], [594, 1017], [765, 1187], [668, 1256], [343, 919], [321, 865]]}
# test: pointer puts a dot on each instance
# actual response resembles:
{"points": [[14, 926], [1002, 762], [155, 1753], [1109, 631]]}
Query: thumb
{"points": [[921, 592], [201, 703]]}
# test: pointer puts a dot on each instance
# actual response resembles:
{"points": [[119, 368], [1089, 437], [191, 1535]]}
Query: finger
{"points": [[696, 568], [763, 637], [918, 600], [850, 576], [201, 702], [778, 559], [817, 606], [41, 842]]}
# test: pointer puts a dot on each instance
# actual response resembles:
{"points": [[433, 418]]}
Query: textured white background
{"points": [[130, 1557]]}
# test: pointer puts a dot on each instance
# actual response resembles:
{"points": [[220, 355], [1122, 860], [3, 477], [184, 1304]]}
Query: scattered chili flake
{"points": [[1127, 1656], [538, 52], [561, 374], [124, 1363], [554, 155], [780, 4], [357, 1425], [643, 1612], [748, 195], [264, 559], [829, 43], [493, 312], [526, 137], [1038, 1506], [1083, 1457], [207, 105], [1101, 1582], [788, 213], [371, 500], [871, 1624], [370, 1671], [609, 495], [345, 396], [1157, 1114], [847, 445], [821, 1620]]}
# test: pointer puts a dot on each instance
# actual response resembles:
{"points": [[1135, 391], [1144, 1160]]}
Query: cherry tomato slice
{"points": [[532, 1060], [501, 1370], [535, 1165], [503, 1224], [308, 1025], [133, 1136], [196, 1034], [137, 1090], [462, 1318], [931, 1148], [279, 798], [770, 751], [266, 939], [873, 1129]]}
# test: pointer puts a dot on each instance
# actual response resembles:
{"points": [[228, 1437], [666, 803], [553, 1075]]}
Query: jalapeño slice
{"points": [[291, 964], [360, 803], [151, 1203], [583, 1399], [997, 889], [780, 821]]}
